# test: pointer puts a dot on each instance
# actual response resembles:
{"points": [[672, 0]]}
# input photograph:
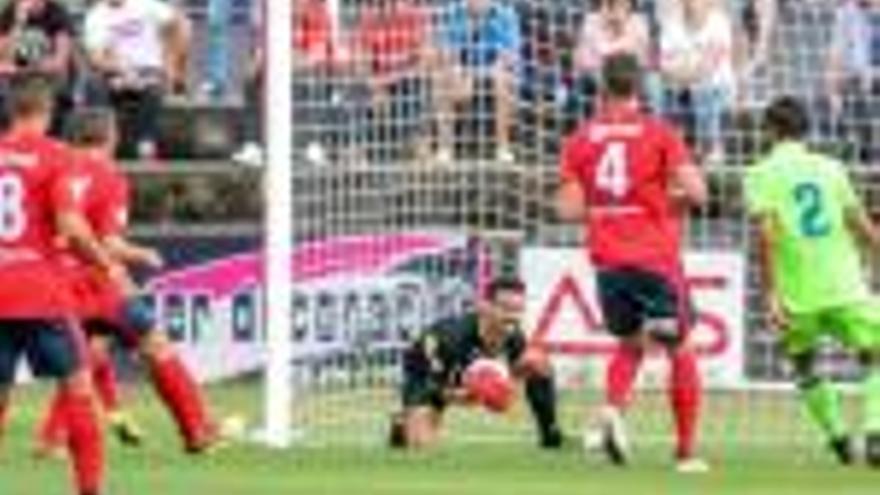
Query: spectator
{"points": [[544, 84], [322, 106], [480, 48], [391, 44], [696, 58], [251, 152], [313, 34], [757, 18], [853, 74], [37, 35], [614, 27], [753, 39], [138, 49], [218, 52]]}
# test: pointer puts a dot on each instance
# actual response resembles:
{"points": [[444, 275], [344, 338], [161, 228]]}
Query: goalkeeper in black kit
{"points": [[436, 362]]}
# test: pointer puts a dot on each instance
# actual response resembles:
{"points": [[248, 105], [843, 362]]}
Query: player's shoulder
{"points": [[764, 172], [52, 147], [581, 133], [95, 165], [659, 127], [455, 324], [36, 153], [828, 163]]}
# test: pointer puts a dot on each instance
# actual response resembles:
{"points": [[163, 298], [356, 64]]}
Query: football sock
{"points": [[871, 400], [684, 397], [822, 402], [620, 375], [104, 380], [84, 441], [52, 428], [180, 394], [541, 396], [4, 413]]}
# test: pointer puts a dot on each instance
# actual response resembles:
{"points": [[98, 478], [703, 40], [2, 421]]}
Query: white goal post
{"points": [[278, 231]]}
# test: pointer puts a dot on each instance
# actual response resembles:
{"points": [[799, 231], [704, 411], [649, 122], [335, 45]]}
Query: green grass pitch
{"points": [[758, 444]]}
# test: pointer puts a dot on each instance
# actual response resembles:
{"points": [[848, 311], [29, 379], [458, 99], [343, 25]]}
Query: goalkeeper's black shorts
{"points": [[420, 386]]}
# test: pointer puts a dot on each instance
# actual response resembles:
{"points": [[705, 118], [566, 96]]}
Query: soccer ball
{"points": [[233, 427], [489, 382]]}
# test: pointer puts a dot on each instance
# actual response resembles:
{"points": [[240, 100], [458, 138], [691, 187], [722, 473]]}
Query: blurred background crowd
{"points": [[415, 83]]}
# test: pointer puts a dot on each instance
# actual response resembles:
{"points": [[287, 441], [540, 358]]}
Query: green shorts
{"points": [[857, 326]]}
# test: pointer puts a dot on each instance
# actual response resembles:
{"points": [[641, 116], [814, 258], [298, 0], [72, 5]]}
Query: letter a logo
{"points": [[549, 328]]}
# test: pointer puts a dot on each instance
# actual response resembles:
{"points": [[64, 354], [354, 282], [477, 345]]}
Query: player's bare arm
{"points": [[130, 253], [75, 228], [571, 203], [864, 229], [689, 186], [766, 226]]}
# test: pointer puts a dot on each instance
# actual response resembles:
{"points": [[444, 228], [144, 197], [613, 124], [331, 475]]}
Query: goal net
{"points": [[424, 161]]}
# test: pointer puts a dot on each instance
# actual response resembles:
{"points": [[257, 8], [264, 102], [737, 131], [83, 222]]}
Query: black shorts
{"points": [[104, 328], [421, 386], [53, 349], [630, 297]]}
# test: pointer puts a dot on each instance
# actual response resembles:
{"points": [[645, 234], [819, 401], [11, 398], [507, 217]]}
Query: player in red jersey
{"points": [[36, 205], [111, 308], [629, 177]]}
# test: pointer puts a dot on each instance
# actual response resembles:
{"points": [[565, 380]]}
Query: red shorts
{"points": [[35, 290], [95, 295]]}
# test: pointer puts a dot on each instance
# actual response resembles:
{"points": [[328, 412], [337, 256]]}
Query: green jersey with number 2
{"points": [[816, 261]]}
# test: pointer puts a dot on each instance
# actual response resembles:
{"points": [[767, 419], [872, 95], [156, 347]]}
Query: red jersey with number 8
{"points": [[623, 160], [33, 188]]}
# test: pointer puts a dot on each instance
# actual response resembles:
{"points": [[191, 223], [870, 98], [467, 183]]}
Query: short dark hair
{"points": [[91, 126], [621, 75], [504, 284], [786, 118], [31, 95]]}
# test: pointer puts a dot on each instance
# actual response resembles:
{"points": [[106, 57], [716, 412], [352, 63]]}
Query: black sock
{"points": [[541, 395], [397, 433]]}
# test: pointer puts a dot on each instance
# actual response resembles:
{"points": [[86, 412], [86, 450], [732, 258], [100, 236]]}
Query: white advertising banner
{"points": [[563, 315]]}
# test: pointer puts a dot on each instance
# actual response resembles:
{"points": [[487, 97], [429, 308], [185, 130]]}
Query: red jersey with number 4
{"points": [[33, 188], [100, 192], [624, 160]]}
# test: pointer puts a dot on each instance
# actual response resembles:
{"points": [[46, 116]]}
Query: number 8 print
{"points": [[12, 214]]}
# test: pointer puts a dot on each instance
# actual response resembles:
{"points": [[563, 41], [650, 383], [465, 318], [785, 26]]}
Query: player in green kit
{"points": [[813, 232]]}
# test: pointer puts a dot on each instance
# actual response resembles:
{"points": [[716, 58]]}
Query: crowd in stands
{"points": [[124, 53], [377, 80], [446, 78], [136, 56], [438, 81]]}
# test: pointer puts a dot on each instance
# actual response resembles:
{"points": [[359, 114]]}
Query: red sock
{"points": [[621, 374], [53, 427], [84, 441], [684, 397], [181, 395], [4, 414], [104, 380]]}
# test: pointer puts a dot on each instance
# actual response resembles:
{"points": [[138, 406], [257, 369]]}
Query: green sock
{"points": [[823, 403], [871, 401]]}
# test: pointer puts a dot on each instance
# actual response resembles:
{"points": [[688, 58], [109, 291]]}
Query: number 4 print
{"points": [[612, 174]]}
